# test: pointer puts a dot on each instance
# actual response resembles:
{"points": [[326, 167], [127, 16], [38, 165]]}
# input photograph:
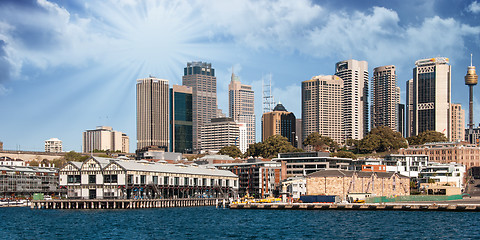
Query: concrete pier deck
{"points": [[122, 203], [362, 206]]}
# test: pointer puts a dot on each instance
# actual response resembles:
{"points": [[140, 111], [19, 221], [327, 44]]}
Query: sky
{"points": [[69, 66]]}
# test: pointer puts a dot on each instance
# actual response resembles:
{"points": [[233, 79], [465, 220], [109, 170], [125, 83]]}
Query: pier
{"points": [[123, 203], [361, 206]]}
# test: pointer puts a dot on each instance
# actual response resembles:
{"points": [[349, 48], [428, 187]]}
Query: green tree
{"points": [[231, 150], [255, 150], [73, 156], [344, 154], [320, 143], [426, 137], [381, 139], [271, 147]]}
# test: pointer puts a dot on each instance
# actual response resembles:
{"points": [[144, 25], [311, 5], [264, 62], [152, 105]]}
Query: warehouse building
{"points": [[101, 178]]}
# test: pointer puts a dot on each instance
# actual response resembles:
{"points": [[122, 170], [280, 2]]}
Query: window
{"points": [[155, 180], [185, 181], [130, 179], [92, 179], [176, 181], [143, 179], [110, 178], [165, 181], [73, 179]]}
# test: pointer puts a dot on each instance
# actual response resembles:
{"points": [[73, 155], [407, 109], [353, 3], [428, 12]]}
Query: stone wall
{"points": [[341, 186]]}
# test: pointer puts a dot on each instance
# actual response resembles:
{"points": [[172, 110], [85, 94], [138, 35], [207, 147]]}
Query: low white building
{"points": [[53, 145], [99, 178], [451, 174], [406, 165], [295, 186]]}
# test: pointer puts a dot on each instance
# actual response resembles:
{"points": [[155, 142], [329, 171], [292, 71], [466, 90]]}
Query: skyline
{"points": [[66, 67]]}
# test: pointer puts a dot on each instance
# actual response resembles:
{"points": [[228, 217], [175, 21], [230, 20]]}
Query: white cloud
{"points": [[474, 7]]}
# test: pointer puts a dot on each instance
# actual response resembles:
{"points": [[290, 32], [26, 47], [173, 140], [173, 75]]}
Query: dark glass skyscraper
{"points": [[181, 125]]}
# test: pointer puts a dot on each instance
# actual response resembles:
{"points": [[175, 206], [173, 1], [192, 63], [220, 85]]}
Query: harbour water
{"points": [[213, 223]]}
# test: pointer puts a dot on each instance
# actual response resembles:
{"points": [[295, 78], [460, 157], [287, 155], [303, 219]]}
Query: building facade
{"points": [[102, 178], [446, 152], [241, 106], [279, 122], [431, 96], [322, 107], [458, 122], [385, 97], [341, 183], [152, 113], [104, 138], [258, 179], [406, 165], [355, 97], [181, 119], [221, 132], [452, 174], [53, 145], [200, 76], [300, 164], [409, 110], [401, 119], [18, 181]]}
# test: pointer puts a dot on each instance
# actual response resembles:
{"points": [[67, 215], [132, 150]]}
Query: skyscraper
{"points": [[181, 119], [152, 113], [385, 97], [322, 107], [409, 110], [458, 122], [200, 76], [279, 122], [241, 108], [103, 138], [355, 97], [431, 96]]}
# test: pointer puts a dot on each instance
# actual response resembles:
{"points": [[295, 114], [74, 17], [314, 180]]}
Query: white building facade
{"points": [[104, 138], [53, 145], [101, 178]]}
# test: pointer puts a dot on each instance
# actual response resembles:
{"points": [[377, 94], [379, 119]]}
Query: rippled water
{"points": [[212, 223]]}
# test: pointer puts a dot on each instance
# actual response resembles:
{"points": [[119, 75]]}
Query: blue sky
{"points": [[68, 66]]}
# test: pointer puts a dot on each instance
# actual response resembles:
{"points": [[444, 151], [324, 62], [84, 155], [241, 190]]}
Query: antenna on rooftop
{"points": [[268, 100]]}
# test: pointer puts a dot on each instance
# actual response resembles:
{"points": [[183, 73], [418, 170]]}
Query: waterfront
{"points": [[212, 223]]}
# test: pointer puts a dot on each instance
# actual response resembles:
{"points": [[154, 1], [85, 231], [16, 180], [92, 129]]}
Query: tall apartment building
{"points": [[53, 145], [299, 132], [385, 97], [152, 113], [355, 97], [431, 87], [181, 124], [279, 122], [103, 138], [220, 132], [458, 122], [322, 107], [200, 76], [401, 119], [409, 110], [241, 105]]}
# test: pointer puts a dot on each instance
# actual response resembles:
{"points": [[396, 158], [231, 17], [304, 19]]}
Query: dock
{"points": [[361, 206], [123, 203]]}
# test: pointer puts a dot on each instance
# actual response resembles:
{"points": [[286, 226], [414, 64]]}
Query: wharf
{"points": [[362, 206], [123, 203]]}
